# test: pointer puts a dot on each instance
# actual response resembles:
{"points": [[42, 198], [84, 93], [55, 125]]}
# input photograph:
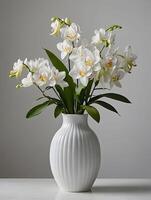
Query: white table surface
{"points": [[103, 189]]}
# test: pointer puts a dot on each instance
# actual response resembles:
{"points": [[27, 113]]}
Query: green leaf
{"points": [[93, 112], [38, 109], [85, 92], [114, 27], [107, 106], [88, 89], [81, 96], [68, 104], [58, 111], [114, 96], [96, 83], [68, 93], [56, 61]]}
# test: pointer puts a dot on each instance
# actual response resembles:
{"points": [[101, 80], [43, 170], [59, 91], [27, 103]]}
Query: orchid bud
{"points": [[67, 21]]}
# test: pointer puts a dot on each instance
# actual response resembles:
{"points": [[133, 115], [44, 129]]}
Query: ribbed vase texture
{"points": [[75, 154]]}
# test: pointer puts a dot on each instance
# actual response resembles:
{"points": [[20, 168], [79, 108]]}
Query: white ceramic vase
{"points": [[75, 154]]}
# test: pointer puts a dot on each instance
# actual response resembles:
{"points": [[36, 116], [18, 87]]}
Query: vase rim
{"points": [[68, 114], [75, 118]]}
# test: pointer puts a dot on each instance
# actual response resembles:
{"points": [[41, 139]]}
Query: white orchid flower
{"points": [[55, 27], [70, 32], [99, 36], [96, 56], [57, 78], [28, 81], [129, 59], [87, 58], [77, 54], [104, 75], [103, 37], [35, 65], [41, 76], [109, 62], [78, 72], [65, 47], [17, 69], [110, 59], [116, 76], [40, 70]]}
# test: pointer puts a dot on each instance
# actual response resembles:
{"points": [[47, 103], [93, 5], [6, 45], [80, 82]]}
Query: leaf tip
{"points": [[27, 116], [119, 114]]}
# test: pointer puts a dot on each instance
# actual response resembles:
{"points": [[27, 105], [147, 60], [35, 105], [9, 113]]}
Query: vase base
{"points": [[76, 191]]}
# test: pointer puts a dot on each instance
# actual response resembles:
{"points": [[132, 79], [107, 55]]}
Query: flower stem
{"points": [[56, 93], [120, 55], [69, 63], [77, 83], [43, 92], [102, 51], [27, 67], [92, 92]]}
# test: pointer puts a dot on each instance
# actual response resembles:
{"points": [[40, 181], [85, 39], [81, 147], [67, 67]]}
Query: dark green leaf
{"points": [[61, 93], [96, 83], [69, 98], [107, 106], [85, 92], [93, 112], [88, 89], [114, 96], [58, 111], [56, 61], [66, 98], [38, 109], [82, 95]]}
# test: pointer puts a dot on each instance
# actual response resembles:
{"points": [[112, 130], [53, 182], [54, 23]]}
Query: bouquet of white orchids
{"points": [[88, 67]]}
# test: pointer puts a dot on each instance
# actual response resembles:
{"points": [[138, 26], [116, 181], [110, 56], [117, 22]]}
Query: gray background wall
{"points": [[125, 140]]}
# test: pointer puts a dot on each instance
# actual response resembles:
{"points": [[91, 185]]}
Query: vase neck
{"points": [[75, 119]]}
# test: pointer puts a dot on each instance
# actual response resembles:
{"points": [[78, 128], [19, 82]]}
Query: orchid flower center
{"points": [[71, 35], [82, 73], [109, 63], [89, 62], [43, 77], [67, 49]]}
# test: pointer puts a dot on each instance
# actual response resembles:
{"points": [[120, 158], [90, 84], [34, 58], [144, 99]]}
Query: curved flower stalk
{"points": [[97, 66]]}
